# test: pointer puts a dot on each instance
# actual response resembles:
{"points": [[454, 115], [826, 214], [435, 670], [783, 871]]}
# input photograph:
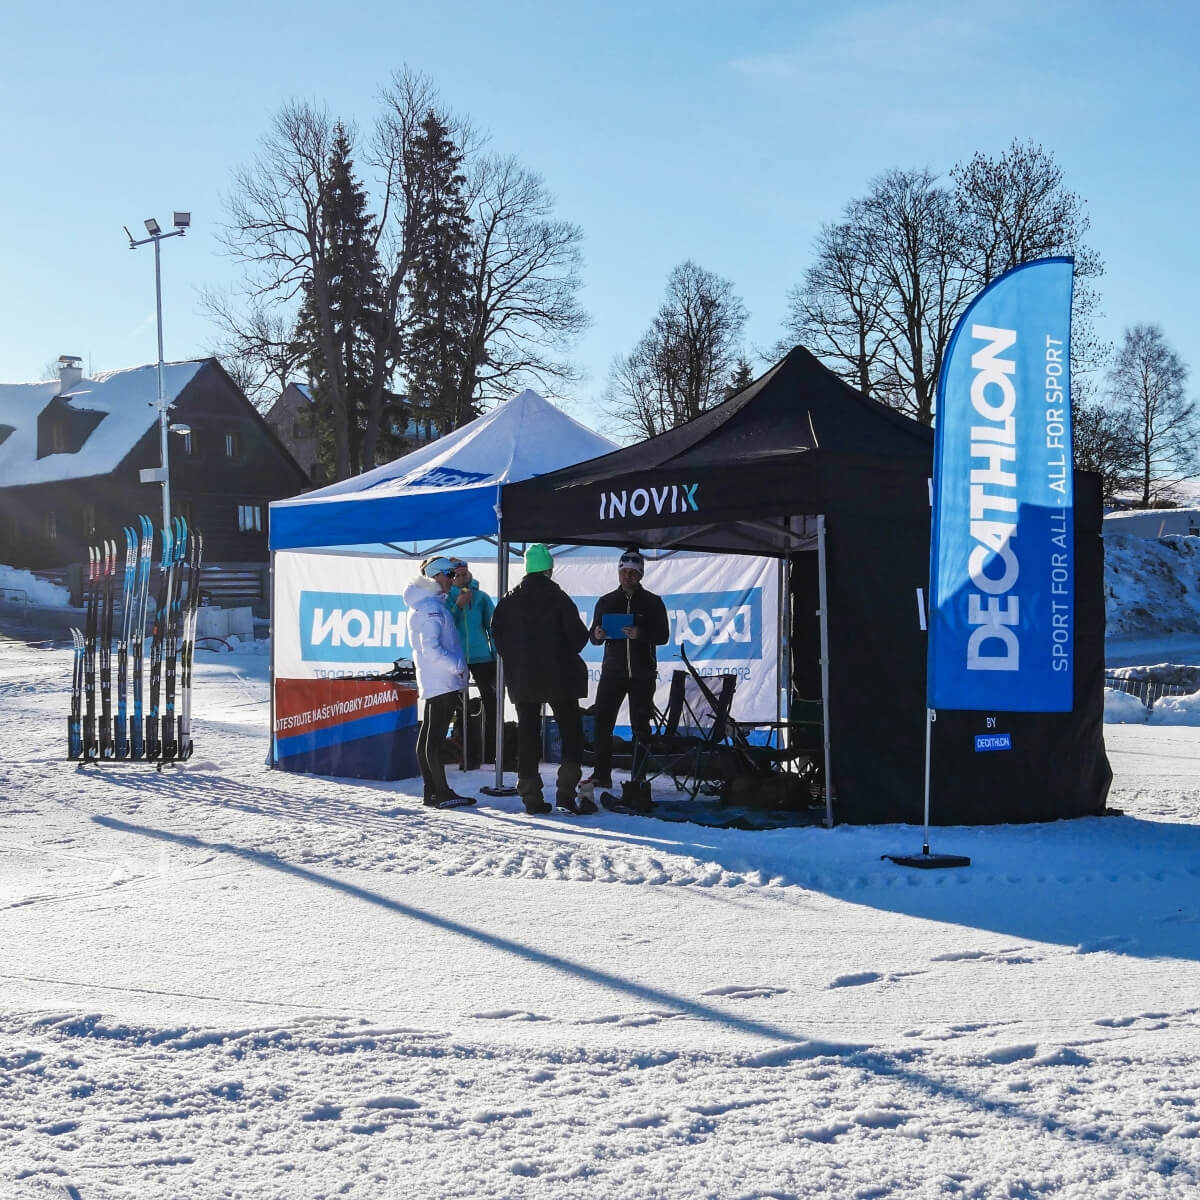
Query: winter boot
{"points": [[636, 796], [454, 800], [569, 775], [585, 800], [530, 791]]}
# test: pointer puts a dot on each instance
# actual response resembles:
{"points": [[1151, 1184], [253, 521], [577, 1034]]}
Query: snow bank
{"points": [[39, 591], [1151, 585], [1174, 710], [1120, 708]]}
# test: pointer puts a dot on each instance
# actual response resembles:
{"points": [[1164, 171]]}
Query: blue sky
{"points": [[725, 133]]}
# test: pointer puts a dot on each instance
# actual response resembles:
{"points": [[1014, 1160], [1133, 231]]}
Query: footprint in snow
{"points": [[507, 1014], [856, 980], [739, 992], [632, 1020]]}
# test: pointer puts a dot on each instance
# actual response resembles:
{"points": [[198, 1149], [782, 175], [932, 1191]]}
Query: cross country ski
{"points": [[105, 727]]}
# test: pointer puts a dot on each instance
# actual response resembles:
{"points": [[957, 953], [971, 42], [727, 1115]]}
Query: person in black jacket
{"points": [[630, 667], [538, 635]]}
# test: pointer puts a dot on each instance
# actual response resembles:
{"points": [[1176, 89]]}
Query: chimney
{"points": [[70, 373]]}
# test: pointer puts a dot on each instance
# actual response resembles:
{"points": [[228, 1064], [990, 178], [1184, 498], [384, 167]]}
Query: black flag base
{"points": [[498, 791], [928, 862]]}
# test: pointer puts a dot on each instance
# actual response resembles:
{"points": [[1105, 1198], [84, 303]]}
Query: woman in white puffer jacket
{"points": [[441, 675]]}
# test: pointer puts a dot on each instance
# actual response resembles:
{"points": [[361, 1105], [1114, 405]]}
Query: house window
{"points": [[51, 525], [250, 518], [232, 445], [186, 438], [87, 519], [14, 531], [58, 437], [298, 430]]}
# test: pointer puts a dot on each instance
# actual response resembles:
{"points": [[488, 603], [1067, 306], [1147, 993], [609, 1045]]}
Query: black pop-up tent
{"points": [[801, 465]]}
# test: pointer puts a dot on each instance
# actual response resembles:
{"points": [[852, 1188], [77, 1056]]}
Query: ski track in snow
{"points": [[311, 1100]]}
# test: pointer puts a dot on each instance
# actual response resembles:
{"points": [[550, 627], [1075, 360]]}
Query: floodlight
{"points": [[153, 228], [182, 220], [180, 428]]}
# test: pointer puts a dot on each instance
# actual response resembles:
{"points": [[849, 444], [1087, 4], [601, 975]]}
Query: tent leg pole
{"points": [[498, 789], [274, 642], [502, 588], [823, 600], [930, 717], [783, 664]]}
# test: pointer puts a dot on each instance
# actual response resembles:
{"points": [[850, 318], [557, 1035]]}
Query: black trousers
{"points": [[611, 692], [529, 733], [435, 721]]}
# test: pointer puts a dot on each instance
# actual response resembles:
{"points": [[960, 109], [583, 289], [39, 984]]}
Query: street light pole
{"points": [[182, 222]]}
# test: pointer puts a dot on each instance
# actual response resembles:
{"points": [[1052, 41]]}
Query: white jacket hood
{"points": [[421, 590]]}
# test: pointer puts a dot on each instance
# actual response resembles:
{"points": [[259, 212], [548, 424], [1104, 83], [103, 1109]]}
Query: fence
{"points": [[1146, 690], [227, 585], [15, 595]]}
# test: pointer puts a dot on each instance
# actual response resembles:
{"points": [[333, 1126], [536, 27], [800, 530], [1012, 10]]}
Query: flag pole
{"points": [[927, 860]]}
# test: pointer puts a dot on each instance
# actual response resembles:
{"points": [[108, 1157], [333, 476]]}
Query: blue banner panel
{"points": [[718, 626], [1002, 568]]}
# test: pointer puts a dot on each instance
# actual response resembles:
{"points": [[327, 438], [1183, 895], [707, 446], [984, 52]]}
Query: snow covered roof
{"points": [[128, 400]]}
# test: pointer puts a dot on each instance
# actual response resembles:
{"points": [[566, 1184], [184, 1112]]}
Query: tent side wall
{"points": [[1057, 767], [877, 667]]}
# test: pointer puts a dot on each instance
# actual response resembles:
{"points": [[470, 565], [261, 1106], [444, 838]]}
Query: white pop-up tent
{"points": [[449, 489], [445, 495]]}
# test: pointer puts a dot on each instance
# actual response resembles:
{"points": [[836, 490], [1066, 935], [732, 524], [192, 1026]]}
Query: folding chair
{"points": [[689, 740], [794, 747]]}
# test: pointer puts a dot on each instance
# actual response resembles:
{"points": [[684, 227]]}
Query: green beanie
{"points": [[537, 558]]}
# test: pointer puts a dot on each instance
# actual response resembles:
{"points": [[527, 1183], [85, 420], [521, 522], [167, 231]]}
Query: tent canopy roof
{"points": [[446, 489], [745, 476]]}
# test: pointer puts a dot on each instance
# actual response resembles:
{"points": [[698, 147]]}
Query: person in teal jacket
{"points": [[471, 608]]}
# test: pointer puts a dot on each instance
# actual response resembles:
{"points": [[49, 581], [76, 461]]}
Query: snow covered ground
{"points": [[226, 982], [221, 981]]}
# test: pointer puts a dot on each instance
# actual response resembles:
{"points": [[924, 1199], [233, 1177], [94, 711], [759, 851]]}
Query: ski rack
{"points": [[103, 730]]}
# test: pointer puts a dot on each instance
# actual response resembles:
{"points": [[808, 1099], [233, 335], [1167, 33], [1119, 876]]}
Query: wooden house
{"points": [[71, 451]]}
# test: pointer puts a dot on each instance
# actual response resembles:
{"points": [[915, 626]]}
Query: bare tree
{"points": [[888, 283], [911, 236], [837, 311], [258, 347], [1147, 382], [525, 271], [1016, 209], [1104, 443], [276, 229], [891, 278], [680, 366]]}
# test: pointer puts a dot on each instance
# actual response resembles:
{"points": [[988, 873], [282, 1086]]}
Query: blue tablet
{"points": [[614, 623]]}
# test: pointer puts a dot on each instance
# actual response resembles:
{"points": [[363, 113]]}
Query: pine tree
{"points": [[439, 283], [740, 378], [340, 319]]}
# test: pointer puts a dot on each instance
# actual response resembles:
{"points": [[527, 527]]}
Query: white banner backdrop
{"points": [[342, 615]]}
